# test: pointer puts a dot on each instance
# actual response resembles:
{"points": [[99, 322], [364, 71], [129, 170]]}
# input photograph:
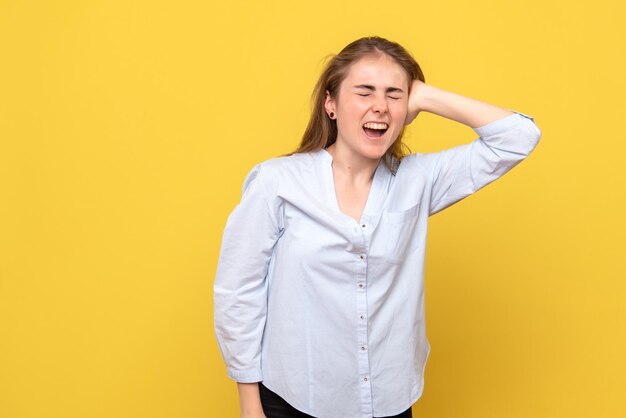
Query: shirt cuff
{"points": [[502, 124], [245, 376]]}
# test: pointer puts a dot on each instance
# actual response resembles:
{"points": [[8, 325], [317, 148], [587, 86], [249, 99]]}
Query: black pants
{"points": [[276, 407]]}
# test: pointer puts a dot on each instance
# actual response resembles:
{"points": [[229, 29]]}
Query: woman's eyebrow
{"points": [[372, 88]]}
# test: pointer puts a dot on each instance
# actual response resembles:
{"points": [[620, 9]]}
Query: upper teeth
{"points": [[372, 125]]}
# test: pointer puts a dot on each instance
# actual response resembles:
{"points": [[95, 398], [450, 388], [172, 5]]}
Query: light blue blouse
{"points": [[328, 312]]}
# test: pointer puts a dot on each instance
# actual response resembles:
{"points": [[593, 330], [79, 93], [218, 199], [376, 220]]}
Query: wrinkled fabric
{"points": [[328, 312]]}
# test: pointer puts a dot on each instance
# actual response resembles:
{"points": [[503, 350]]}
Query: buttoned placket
{"points": [[361, 240]]}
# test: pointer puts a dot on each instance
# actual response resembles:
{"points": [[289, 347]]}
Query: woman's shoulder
{"points": [[283, 169], [288, 164]]}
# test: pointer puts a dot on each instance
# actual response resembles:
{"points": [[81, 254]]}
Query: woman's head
{"points": [[376, 65]]}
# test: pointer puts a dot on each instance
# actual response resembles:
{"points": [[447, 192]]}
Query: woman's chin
{"points": [[374, 151], [376, 147]]}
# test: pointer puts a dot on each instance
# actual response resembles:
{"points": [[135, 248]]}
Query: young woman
{"points": [[319, 292]]}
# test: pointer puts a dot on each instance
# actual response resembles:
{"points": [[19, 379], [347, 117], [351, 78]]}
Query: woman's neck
{"points": [[353, 168]]}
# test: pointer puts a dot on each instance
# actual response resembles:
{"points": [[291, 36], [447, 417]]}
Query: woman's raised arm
{"points": [[468, 111], [505, 139]]}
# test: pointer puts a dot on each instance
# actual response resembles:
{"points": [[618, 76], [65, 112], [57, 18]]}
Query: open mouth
{"points": [[375, 130]]}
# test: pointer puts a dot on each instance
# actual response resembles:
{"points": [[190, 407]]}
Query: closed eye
{"points": [[367, 94]]}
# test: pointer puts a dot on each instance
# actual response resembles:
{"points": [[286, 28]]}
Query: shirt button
{"points": [[361, 285], [363, 225], [362, 348], [362, 316], [365, 379], [362, 256]]}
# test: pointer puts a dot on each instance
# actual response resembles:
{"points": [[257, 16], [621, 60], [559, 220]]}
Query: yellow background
{"points": [[126, 130]]}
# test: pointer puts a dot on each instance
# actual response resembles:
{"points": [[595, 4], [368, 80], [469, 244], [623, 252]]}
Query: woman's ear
{"points": [[329, 103]]}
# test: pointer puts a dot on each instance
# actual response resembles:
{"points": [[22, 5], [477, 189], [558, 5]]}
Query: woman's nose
{"points": [[379, 105]]}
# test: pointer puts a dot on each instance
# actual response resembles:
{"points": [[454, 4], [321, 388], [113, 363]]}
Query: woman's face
{"points": [[371, 105]]}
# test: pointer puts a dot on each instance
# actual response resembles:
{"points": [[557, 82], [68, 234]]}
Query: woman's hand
{"points": [[415, 98], [468, 111]]}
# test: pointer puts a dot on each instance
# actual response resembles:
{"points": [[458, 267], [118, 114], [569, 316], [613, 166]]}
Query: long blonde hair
{"points": [[321, 130]]}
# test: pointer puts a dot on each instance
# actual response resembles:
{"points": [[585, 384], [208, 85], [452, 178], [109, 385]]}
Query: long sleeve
{"points": [[240, 288], [462, 170]]}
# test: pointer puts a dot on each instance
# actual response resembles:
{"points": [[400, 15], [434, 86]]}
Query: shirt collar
{"points": [[377, 193]]}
